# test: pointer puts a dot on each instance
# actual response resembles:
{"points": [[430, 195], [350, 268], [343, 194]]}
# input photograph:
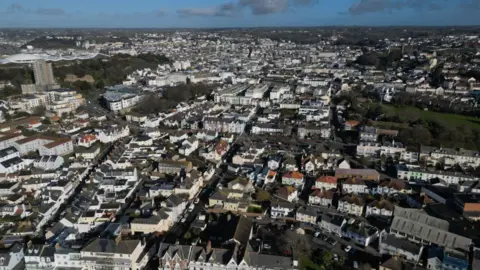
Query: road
{"points": [[101, 157]]}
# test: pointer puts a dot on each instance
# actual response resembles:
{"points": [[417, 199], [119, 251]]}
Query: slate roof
{"points": [[262, 261], [109, 246], [434, 230], [400, 243]]}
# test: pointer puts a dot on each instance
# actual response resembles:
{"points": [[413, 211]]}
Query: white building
{"points": [[48, 162], [114, 254], [120, 98], [112, 134], [352, 205]]}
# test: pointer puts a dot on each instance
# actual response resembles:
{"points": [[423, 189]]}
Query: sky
{"points": [[235, 13]]}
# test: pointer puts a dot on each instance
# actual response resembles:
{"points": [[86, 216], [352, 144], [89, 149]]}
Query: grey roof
{"points": [[5, 253], [242, 232], [421, 217], [109, 246], [220, 256], [149, 220], [183, 251], [8, 151], [430, 233], [401, 243], [174, 200], [333, 219], [254, 259], [311, 211]]}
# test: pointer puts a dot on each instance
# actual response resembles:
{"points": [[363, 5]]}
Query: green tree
{"points": [[46, 121]]}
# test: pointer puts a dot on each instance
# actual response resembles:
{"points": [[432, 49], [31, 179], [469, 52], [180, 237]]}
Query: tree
{"points": [[262, 195], [100, 84], [421, 135], [436, 77], [39, 111], [46, 121]]}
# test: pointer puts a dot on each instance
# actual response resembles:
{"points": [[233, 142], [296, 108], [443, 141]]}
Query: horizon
{"points": [[193, 14]]}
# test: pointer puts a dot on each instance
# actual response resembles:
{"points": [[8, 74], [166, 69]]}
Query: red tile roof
{"points": [[295, 175], [327, 179]]}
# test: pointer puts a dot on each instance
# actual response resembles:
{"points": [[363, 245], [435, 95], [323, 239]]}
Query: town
{"points": [[240, 149]]}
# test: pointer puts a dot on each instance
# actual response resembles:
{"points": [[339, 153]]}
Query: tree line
{"points": [[170, 97], [105, 71]]}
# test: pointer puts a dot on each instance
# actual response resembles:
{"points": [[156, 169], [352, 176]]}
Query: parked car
{"points": [[348, 248]]}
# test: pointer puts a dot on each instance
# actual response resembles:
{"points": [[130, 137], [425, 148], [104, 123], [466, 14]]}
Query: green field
{"points": [[448, 119]]}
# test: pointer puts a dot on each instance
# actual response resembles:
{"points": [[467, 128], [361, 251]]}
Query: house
{"points": [[86, 140], [293, 179], [468, 205], [322, 197], [307, 215], [88, 153], [48, 162], [396, 263], [174, 207], [254, 260], [118, 253], [217, 198], [288, 193], [274, 162], [173, 167], [9, 153], [174, 256], [368, 134], [351, 125], [326, 182], [241, 183], [112, 134], [290, 164], [12, 165], [12, 257], [155, 223], [389, 244], [355, 186], [333, 223], [360, 232], [215, 258], [188, 146], [422, 175], [380, 208], [390, 186], [365, 174], [351, 204], [281, 209], [59, 147], [39, 256]]}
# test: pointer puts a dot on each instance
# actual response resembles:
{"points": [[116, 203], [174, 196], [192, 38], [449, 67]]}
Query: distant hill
{"points": [[51, 43]]}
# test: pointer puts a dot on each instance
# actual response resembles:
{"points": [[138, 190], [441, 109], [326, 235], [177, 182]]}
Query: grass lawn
{"points": [[448, 119]]}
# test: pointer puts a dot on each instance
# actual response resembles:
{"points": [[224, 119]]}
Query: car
{"points": [[348, 248], [316, 234], [355, 265], [335, 257]]}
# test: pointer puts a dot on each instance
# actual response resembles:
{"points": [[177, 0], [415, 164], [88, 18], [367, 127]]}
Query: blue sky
{"points": [[235, 13]]}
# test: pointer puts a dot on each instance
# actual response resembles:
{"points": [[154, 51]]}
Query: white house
{"points": [[11, 257], [281, 209], [48, 162], [355, 186], [326, 182], [112, 134], [351, 204], [117, 254], [380, 208]]}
